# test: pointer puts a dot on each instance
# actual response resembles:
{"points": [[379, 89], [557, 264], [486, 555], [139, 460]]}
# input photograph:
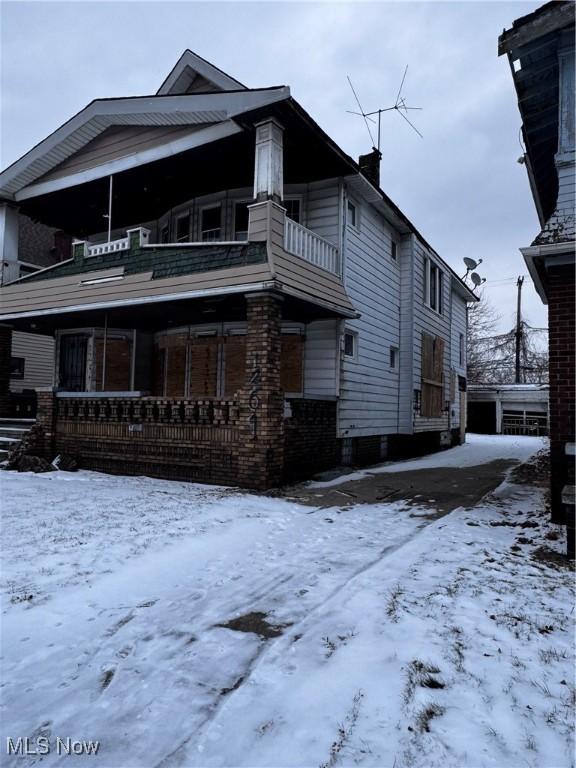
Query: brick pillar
{"points": [[5, 354], [561, 311], [261, 450], [46, 418]]}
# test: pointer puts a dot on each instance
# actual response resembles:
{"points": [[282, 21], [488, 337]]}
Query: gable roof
{"points": [[213, 112], [193, 74]]}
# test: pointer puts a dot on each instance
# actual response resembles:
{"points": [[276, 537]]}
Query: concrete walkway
{"points": [[444, 488]]}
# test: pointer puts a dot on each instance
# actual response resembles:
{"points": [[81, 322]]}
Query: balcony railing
{"points": [[114, 245], [148, 410], [306, 244]]}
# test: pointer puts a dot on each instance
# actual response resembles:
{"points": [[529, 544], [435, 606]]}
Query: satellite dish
{"points": [[470, 263], [476, 279]]}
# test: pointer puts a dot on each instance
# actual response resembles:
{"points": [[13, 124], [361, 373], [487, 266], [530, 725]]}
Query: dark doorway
{"points": [[481, 418]]}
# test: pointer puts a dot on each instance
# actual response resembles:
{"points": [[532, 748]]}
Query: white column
{"points": [[9, 269], [269, 161]]}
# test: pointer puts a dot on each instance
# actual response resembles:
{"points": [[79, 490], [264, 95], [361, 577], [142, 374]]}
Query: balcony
{"points": [[307, 245]]}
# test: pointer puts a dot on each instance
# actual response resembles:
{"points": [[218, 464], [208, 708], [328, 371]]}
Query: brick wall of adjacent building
{"points": [[561, 308], [310, 442]]}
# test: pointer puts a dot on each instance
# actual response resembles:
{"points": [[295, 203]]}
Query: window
{"points": [[183, 228], [352, 215], [165, 234], [241, 221], [16, 367], [292, 206], [211, 224], [350, 344], [462, 351], [433, 285], [394, 250], [432, 376], [393, 357]]}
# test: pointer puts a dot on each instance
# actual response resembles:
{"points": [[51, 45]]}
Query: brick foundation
{"points": [[561, 308], [310, 443]]}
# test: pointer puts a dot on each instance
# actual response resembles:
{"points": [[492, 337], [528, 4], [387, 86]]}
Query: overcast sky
{"points": [[461, 185]]}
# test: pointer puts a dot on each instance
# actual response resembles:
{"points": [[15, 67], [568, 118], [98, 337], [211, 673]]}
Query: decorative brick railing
{"points": [[148, 410]]}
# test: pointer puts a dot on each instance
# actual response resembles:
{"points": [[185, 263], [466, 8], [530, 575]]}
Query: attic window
{"points": [[517, 64], [394, 250]]}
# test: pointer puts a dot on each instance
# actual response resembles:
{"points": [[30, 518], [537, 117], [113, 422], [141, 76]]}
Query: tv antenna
{"points": [[399, 106]]}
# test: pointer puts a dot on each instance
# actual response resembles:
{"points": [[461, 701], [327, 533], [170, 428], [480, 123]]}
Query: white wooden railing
{"points": [[114, 245], [306, 244]]}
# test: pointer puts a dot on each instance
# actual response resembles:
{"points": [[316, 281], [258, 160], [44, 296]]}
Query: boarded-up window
{"points": [[234, 364], [118, 362], [291, 362], [203, 366], [432, 376], [174, 364]]}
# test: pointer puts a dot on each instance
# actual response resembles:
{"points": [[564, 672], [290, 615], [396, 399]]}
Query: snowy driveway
{"points": [[381, 639]]}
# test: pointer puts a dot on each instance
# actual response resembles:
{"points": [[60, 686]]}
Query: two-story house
{"points": [[243, 303]]}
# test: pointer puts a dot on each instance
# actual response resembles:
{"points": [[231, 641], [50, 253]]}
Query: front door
{"points": [[72, 367]]}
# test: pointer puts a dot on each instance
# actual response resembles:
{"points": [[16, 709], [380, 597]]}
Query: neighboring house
{"points": [[540, 49], [32, 356], [508, 409], [259, 309]]}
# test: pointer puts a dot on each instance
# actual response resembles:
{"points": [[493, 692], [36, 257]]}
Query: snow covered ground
{"points": [[378, 638]]}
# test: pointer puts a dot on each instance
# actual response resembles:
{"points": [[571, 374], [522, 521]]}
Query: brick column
{"points": [[46, 418], [261, 450], [5, 354], [561, 312]]}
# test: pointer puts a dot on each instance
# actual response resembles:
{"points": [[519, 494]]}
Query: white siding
{"points": [[432, 322], [458, 322], [406, 400], [321, 357], [369, 389], [38, 354], [322, 210]]}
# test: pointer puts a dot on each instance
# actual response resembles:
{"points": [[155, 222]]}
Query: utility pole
{"points": [[518, 330]]}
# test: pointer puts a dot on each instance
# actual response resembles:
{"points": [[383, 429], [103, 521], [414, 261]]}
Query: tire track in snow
{"points": [[180, 754]]}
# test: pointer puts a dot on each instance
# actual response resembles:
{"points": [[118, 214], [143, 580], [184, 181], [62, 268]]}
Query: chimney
{"points": [[370, 166]]}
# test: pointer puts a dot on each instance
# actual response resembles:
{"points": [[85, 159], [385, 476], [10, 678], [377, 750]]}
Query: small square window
{"points": [[17, 367], [394, 250], [350, 344], [352, 218], [393, 357]]}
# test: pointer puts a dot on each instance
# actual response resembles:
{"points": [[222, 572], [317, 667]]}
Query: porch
{"points": [[247, 399]]}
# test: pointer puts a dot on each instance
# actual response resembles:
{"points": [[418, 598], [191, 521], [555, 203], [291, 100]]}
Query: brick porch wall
{"points": [[561, 308], [310, 442]]}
